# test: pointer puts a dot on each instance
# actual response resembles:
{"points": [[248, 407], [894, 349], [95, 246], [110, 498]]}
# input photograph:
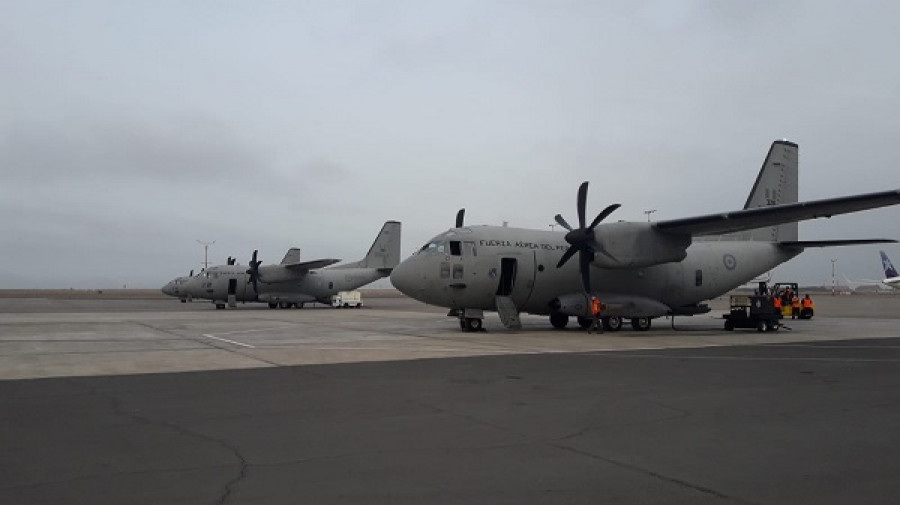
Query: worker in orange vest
{"points": [[596, 308], [807, 302], [776, 302], [795, 306]]}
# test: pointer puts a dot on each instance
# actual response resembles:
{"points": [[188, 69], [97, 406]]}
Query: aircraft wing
{"points": [[311, 265], [748, 219]]}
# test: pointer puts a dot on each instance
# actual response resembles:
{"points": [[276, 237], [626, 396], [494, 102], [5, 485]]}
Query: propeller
{"points": [[581, 240], [254, 271], [459, 218]]}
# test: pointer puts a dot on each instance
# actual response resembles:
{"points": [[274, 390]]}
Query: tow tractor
{"points": [[753, 311], [786, 310]]}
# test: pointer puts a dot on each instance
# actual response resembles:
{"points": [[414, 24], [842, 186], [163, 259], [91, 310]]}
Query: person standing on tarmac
{"points": [[596, 308], [795, 306]]}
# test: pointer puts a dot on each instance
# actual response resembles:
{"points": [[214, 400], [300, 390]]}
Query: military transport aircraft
{"points": [[639, 270], [293, 282]]}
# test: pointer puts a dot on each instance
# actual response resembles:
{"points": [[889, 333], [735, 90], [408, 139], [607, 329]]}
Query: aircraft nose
{"points": [[404, 279], [167, 289]]}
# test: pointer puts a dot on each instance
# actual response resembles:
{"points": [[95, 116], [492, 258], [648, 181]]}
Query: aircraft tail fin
{"points": [[292, 256], [385, 251], [776, 184], [889, 270]]}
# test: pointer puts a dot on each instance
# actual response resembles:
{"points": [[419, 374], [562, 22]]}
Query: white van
{"points": [[347, 299]]}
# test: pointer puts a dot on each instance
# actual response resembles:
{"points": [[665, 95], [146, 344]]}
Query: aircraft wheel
{"points": [[220, 306], [183, 300], [473, 324], [612, 323], [300, 305], [273, 305], [640, 323], [585, 322], [284, 305], [559, 320]]}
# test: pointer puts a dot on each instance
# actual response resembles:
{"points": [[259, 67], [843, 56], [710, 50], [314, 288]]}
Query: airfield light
{"points": [[833, 261], [206, 252]]}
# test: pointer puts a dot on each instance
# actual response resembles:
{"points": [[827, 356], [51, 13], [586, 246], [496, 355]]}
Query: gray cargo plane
{"points": [[293, 282], [639, 270]]}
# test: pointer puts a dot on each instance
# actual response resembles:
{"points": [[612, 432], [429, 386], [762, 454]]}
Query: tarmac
{"points": [[147, 401]]}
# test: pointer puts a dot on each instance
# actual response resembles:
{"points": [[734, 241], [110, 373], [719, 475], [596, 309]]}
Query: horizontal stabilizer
{"points": [[833, 243]]}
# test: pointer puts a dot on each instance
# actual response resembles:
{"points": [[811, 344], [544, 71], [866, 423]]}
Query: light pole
{"points": [[552, 227], [833, 260], [206, 252], [648, 212]]}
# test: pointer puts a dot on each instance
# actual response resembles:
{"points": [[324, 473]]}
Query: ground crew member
{"points": [[807, 304], [596, 308], [795, 306], [776, 302]]}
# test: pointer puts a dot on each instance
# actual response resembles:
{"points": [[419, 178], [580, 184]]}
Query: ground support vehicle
{"points": [[788, 290], [753, 311], [346, 299]]}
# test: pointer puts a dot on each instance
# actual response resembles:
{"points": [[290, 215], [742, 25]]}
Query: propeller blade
{"points": [[254, 271], [582, 202], [603, 215], [459, 218], [584, 263], [562, 222], [568, 254]]}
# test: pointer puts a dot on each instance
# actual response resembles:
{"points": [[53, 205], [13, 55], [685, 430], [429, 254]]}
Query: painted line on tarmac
{"points": [[254, 330], [229, 341]]}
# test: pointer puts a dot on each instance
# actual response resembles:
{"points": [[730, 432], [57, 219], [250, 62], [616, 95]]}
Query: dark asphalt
{"points": [[774, 424]]}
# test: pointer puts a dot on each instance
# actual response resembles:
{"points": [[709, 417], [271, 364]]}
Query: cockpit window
{"points": [[433, 248]]}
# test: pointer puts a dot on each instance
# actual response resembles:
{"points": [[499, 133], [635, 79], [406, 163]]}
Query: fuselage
{"points": [[220, 282], [468, 267]]}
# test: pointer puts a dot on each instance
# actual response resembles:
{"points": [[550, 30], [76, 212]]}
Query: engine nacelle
{"points": [[635, 245]]}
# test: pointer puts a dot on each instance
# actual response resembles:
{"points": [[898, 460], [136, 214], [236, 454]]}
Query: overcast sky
{"points": [[130, 130]]}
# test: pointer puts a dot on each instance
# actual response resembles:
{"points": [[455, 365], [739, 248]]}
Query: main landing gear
{"points": [[610, 323], [470, 324]]}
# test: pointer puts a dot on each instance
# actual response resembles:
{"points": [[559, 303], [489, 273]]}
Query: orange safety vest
{"points": [[596, 306], [807, 302], [777, 302], [795, 302]]}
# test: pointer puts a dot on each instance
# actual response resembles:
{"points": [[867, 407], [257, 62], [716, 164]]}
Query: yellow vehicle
{"points": [[793, 304]]}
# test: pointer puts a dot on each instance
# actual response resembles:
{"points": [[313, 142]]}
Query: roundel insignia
{"points": [[729, 261]]}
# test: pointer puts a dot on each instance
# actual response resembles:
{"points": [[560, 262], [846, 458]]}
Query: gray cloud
{"points": [[128, 132]]}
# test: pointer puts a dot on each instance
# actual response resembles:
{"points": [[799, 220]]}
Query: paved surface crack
{"points": [[117, 407]]}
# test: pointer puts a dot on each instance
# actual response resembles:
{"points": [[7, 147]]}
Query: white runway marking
{"points": [[229, 341], [254, 330]]}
